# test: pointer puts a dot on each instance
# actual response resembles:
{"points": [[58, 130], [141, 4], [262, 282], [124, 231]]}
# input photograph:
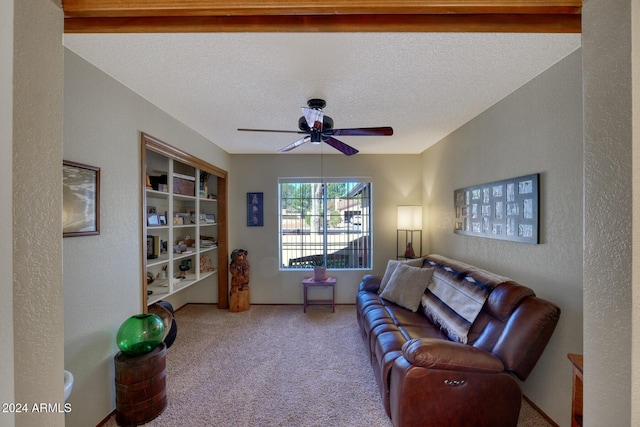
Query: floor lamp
{"points": [[409, 230]]}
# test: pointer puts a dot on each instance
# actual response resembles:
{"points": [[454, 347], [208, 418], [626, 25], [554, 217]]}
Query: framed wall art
{"points": [[255, 210], [505, 210], [80, 199]]}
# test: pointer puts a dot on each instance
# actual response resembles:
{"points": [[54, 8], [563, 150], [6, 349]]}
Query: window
{"points": [[326, 220]]}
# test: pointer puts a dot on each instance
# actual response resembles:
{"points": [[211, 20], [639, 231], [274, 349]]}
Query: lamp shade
{"points": [[409, 217]]}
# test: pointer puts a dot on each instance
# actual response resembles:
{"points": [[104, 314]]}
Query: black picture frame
{"points": [[255, 210], [80, 199], [504, 210]]}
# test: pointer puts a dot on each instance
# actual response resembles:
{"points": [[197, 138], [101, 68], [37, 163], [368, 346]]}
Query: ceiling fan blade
{"points": [[377, 131], [340, 146], [295, 144], [272, 130]]}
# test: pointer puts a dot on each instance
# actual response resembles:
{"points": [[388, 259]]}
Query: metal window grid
{"points": [[328, 221]]}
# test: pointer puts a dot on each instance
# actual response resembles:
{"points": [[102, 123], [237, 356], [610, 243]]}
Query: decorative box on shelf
{"points": [[158, 182], [184, 184]]}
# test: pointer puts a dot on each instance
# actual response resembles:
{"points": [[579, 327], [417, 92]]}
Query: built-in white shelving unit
{"points": [[184, 224]]}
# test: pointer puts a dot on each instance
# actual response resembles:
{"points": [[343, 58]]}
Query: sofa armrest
{"points": [[441, 354], [370, 283]]}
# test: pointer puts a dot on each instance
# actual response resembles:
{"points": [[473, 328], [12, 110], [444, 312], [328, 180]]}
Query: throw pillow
{"points": [[391, 267], [406, 286]]}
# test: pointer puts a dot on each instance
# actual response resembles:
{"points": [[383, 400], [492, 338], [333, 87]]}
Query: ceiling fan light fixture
{"points": [[313, 117]]}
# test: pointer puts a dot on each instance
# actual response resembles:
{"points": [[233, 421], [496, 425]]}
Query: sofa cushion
{"points": [[391, 267], [406, 286]]}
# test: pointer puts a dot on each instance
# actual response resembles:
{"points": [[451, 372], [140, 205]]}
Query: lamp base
{"points": [[409, 253]]}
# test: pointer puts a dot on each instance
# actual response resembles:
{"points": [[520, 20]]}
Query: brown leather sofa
{"points": [[427, 379]]}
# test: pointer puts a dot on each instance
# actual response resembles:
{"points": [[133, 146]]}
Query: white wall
{"points": [[36, 203], [102, 274], [396, 181], [6, 217], [6, 189], [537, 129], [609, 218]]}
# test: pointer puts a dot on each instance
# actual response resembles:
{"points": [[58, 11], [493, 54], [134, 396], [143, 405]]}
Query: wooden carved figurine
{"points": [[239, 298], [239, 270]]}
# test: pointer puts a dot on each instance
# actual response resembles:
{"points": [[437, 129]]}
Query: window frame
{"points": [[365, 228]]}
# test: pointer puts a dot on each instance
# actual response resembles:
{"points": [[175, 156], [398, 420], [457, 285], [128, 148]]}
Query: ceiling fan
{"points": [[319, 128]]}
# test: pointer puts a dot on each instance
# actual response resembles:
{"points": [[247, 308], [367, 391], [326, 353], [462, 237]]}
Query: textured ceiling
{"points": [[424, 85]]}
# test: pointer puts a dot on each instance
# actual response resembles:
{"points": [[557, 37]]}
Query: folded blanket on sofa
{"points": [[453, 303]]}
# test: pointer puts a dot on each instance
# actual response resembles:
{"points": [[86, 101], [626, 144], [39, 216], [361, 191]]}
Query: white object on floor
{"points": [[68, 384]]}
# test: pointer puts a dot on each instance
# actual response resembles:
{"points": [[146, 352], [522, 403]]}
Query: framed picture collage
{"points": [[506, 210]]}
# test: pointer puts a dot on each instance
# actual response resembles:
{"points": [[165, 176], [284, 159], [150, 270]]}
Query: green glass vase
{"points": [[140, 334]]}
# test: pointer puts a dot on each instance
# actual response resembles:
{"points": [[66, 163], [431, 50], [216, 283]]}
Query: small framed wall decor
{"points": [[80, 199], [255, 207], [505, 210]]}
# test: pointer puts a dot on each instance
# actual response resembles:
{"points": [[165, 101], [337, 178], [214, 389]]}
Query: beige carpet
{"points": [[274, 366]]}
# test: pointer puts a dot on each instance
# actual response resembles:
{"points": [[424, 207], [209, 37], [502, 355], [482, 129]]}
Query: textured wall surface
{"points": [[537, 129], [635, 77], [608, 214], [37, 204]]}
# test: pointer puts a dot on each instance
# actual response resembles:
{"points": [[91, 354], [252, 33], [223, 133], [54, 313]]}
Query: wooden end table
{"points": [[310, 282], [140, 386], [577, 360]]}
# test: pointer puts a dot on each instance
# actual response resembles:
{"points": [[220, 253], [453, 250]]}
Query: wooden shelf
{"points": [[162, 259], [156, 193]]}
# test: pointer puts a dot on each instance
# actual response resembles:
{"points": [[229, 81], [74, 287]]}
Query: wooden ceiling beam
{"points": [[103, 8], [312, 16], [353, 23]]}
